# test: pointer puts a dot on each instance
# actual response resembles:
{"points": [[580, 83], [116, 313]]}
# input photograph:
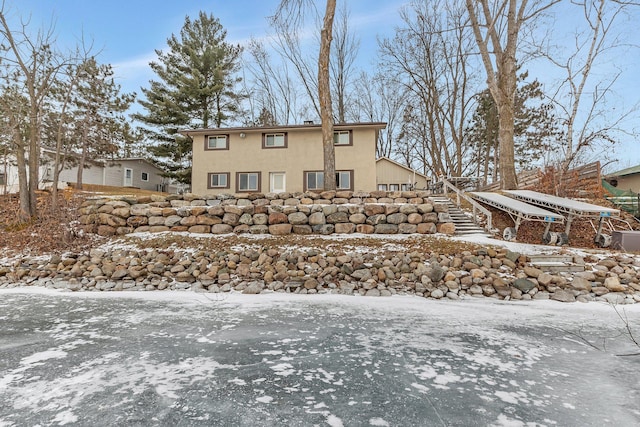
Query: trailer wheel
{"points": [[603, 240], [563, 239], [550, 238], [509, 233]]}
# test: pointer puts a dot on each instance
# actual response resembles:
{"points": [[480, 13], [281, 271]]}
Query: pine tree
{"points": [[99, 126], [196, 88], [535, 129]]}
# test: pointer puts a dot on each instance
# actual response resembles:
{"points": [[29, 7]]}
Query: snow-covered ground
{"points": [[182, 358]]}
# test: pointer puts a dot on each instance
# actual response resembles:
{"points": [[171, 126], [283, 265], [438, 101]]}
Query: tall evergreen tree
{"points": [[100, 126], [196, 88], [535, 129]]}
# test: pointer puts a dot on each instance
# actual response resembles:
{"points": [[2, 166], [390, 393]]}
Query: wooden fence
{"points": [[584, 181]]}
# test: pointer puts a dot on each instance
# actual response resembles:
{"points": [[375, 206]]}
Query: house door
{"points": [[278, 182], [128, 177]]}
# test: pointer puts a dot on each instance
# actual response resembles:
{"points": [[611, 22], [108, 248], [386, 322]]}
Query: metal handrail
{"points": [[475, 205]]}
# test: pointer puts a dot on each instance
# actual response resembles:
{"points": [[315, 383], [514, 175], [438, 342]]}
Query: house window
{"points": [[274, 140], [218, 180], [344, 180], [217, 142], [342, 137], [3, 179], [382, 187], [144, 176], [247, 181], [394, 187], [406, 187], [314, 180]]}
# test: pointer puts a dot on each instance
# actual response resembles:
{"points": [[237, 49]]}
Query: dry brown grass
{"points": [[50, 232]]}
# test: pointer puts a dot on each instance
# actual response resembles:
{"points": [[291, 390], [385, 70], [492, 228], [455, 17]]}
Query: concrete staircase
{"points": [[464, 223], [555, 263]]}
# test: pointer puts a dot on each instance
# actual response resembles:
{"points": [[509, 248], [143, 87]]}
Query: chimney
{"points": [[308, 122]]}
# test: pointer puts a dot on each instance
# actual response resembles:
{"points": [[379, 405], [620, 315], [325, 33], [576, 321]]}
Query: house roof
{"points": [[133, 159], [628, 171], [341, 126], [403, 167]]}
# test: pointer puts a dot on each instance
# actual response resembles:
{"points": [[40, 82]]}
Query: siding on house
{"points": [[115, 173], [626, 179], [247, 152], [109, 173], [629, 182], [391, 175], [9, 183], [94, 174]]}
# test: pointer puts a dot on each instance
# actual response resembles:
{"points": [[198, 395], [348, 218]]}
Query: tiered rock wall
{"points": [[328, 212], [500, 274]]}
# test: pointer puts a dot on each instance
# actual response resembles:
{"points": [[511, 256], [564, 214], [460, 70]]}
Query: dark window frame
{"points": [[304, 178], [351, 177], [259, 182], [206, 142], [350, 137], [351, 186], [215, 187], [264, 140]]}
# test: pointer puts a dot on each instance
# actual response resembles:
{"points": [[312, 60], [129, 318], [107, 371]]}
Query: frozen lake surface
{"points": [[187, 359]]}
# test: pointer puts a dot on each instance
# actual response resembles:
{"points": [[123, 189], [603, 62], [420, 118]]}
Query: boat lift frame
{"points": [[572, 209], [520, 211]]}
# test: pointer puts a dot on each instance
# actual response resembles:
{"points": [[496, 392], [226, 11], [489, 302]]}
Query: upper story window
{"points": [[274, 140], [342, 137], [217, 142]]}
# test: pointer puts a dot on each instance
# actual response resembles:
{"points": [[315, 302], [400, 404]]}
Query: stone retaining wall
{"points": [[491, 273], [341, 212]]}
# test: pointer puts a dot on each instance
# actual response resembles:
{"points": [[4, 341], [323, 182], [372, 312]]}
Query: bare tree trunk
{"points": [[37, 67], [34, 161], [81, 162], [324, 95], [24, 212], [501, 77]]}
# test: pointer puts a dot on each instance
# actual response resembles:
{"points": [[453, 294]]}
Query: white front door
{"points": [[128, 177], [278, 182]]}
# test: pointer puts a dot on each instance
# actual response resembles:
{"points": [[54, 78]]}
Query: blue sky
{"points": [[128, 32]]}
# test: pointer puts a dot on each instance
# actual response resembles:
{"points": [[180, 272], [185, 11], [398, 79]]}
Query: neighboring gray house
{"points": [[128, 172]]}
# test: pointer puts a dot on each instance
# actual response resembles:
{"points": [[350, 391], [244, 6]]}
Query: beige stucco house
{"points": [[281, 158], [393, 176], [627, 179]]}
